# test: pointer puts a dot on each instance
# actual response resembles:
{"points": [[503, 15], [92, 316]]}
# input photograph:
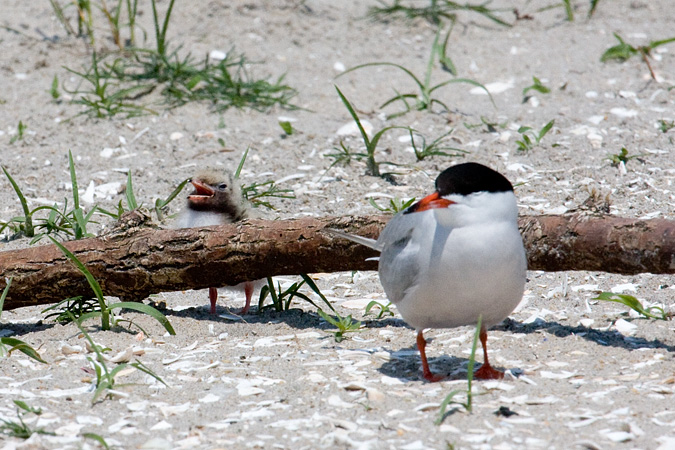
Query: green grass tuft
{"points": [[652, 312], [20, 429], [530, 139], [423, 99], [624, 51], [616, 159], [437, 11]]}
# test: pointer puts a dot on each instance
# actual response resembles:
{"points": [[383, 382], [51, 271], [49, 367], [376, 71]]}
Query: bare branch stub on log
{"points": [[133, 266]]}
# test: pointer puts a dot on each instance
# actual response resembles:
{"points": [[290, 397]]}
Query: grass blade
{"points": [[241, 163], [95, 286], [594, 5], [165, 25], [145, 369], [61, 17], [175, 192], [28, 224], [90, 315], [129, 192], [545, 130], [654, 44], [349, 107], [398, 66], [328, 318], [468, 81], [149, 310], [378, 135], [73, 181], [4, 294], [160, 204], [472, 362], [97, 438], [312, 285], [634, 304], [444, 406], [27, 408], [21, 346], [469, 379]]}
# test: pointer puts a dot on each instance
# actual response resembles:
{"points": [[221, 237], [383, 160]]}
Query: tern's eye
{"points": [[222, 186]]}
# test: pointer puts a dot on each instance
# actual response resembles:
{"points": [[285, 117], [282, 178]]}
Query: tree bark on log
{"points": [[141, 261]]}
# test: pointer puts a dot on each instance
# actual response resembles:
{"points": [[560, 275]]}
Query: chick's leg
{"points": [[213, 296]]}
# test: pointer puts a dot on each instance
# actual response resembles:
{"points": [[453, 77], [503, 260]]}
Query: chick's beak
{"points": [[202, 193], [431, 201]]}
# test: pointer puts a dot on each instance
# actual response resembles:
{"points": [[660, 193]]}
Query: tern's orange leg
{"points": [[486, 372], [213, 296], [421, 344], [248, 290]]}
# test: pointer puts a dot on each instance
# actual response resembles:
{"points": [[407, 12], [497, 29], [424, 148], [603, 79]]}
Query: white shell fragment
{"points": [[351, 129], [246, 388], [88, 196], [625, 287], [217, 55], [493, 88], [623, 112], [626, 328], [336, 401], [123, 356], [209, 398], [68, 349]]}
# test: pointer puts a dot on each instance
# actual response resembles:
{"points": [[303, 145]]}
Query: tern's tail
{"points": [[372, 243]]}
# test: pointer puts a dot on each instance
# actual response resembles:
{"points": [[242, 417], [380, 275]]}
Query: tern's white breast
{"points": [[444, 276], [189, 218]]}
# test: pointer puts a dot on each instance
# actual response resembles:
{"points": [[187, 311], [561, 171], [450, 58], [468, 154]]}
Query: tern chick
{"points": [[216, 200]]}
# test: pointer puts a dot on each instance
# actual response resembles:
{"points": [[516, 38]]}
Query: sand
{"points": [[587, 374]]}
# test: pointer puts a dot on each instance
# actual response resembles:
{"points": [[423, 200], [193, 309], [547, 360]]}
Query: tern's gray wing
{"points": [[399, 262]]}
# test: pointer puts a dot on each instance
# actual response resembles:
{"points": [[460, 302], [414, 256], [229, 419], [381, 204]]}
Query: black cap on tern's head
{"points": [[468, 178], [462, 179]]}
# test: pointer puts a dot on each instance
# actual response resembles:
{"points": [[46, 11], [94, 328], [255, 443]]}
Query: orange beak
{"points": [[431, 201], [202, 193]]}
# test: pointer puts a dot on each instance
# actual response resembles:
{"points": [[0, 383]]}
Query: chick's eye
{"points": [[222, 186]]}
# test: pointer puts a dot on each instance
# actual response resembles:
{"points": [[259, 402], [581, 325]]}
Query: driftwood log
{"points": [[139, 261]]}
